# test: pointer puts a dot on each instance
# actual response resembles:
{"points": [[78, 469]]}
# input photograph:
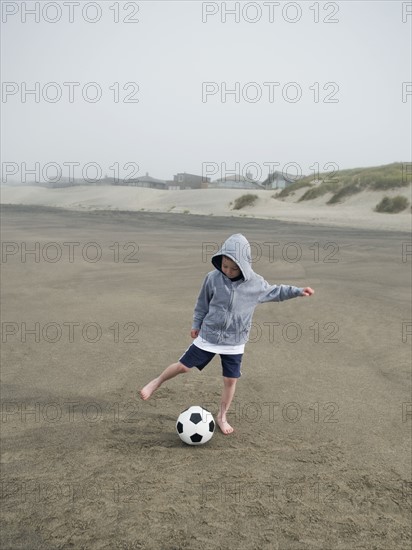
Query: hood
{"points": [[237, 248]]}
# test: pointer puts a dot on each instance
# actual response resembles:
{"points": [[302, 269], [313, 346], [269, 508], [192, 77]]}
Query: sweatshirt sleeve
{"points": [[279, 293], [202, 304]]}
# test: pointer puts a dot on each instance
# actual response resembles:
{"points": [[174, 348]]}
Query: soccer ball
{"points": [[195, 425]]}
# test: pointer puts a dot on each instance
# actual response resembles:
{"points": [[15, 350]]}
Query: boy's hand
{"points": [[308, 291], [194, 333]]}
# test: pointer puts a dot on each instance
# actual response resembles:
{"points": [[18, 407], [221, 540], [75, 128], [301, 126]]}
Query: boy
{"points": [[222, 319]]}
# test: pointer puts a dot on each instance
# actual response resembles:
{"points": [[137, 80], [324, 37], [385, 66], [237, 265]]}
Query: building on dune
{"points": [[145, 181], [188, 181], [278, 180], [236, 181]]}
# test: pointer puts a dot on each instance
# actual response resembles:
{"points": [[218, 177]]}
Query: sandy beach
{"points": [[356, 211], [96, 303]]}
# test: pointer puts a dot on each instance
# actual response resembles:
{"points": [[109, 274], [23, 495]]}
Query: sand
{"points": [[320, 456], [356, 211]]}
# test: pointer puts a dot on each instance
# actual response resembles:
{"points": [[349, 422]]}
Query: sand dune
{"points": [[356, 211]]}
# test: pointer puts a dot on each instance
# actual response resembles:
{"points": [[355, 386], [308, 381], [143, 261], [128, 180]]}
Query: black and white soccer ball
{"points": [[195, 425]]}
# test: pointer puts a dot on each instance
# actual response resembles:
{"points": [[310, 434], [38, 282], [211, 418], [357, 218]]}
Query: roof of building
{"points": [[147, 179], [237, 178]]}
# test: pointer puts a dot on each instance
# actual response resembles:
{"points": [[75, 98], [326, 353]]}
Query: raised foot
{"points": [[150, 388], [224, 425]]}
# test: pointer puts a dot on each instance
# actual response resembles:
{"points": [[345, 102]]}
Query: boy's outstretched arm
{"points": [[279, 293], [307, 291]]}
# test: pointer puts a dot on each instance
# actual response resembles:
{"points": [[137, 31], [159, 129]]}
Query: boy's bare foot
{"points": [[151, 387], [224, 425]]}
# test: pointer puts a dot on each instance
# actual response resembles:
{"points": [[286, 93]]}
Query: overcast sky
{"points": [[313, 83]]}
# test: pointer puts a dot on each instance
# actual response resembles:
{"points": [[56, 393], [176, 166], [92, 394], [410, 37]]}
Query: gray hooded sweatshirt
{"points": [[224, 308]]}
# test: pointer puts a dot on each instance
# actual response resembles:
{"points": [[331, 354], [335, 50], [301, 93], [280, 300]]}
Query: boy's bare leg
{"points": [[170, 372], [229, 387]]}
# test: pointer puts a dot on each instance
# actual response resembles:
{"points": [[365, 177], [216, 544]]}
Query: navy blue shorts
{"points": [[199, 358]]}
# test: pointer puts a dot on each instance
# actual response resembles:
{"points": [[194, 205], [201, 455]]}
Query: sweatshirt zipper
{"points": [[229, 308]]}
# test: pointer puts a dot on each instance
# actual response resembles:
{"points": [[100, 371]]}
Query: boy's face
{"points": [[230, 268]]}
